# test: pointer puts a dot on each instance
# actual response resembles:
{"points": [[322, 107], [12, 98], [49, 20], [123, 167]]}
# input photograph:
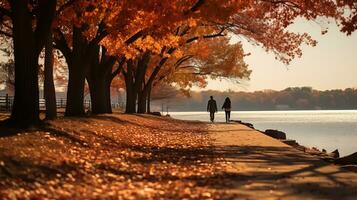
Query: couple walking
{"points": [[212, 108]]}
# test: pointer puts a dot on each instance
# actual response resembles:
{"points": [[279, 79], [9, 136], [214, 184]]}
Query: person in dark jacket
{"points": [[227, 108], [212, 108]]}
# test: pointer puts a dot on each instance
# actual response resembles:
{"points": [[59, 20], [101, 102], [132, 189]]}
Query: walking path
{"points": [[261, 167]]}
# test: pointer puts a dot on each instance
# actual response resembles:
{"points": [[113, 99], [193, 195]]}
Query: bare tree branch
{"points": [[119, 68], [134, 37], [219, 34], [286, 2], [182, 60], [195, 7], [101, 34]]}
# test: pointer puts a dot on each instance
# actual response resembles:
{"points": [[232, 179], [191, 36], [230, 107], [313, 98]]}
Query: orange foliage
{"points": [[130, 27], [349, 21], [211, 58], [261, 22], [164, 28]]}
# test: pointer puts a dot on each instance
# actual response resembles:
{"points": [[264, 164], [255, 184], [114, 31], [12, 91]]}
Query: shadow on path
{"points": [[285, 171]]}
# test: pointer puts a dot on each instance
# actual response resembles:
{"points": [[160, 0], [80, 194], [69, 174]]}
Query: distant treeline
{"points": [[296, 98]]}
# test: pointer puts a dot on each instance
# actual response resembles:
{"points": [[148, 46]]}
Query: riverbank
{"points": [[142, 156], [328, 130]]}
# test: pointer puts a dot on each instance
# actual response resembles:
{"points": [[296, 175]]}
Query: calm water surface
{"points": [[322, 129]]}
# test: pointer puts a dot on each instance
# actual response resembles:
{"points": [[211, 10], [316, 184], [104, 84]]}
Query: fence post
{"points": [[7, 102]]}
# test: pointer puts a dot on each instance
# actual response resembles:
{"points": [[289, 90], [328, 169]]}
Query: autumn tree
{"points": [[102, 71], [154, 27], [27, 23], [247, 19], [83, 27], [49, 85], [137, 30], [71, 40], [263, 23], [213, 58], [140, 73], [158, 21], [349, 21]]}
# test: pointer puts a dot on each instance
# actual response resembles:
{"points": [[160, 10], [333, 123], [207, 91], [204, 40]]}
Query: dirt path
{"points": [[261, 167]]}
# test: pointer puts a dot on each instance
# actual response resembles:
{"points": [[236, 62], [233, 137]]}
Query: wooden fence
{"points": [[6, 103]]}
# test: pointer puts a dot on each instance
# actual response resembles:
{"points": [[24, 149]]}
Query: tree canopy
{"points": [[177, 41]]}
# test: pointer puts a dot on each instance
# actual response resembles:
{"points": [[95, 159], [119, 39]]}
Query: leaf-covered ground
{"points": [[110, 157]]}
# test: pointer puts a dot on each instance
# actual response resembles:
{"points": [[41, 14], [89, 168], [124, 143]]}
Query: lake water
{"points": [[328, 130]]}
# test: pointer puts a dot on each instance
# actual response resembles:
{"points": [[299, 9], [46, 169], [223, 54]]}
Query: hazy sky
{"points": [[331, 64]]}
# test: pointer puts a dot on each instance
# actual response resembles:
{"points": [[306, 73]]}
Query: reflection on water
{"points": [[322, 129]]}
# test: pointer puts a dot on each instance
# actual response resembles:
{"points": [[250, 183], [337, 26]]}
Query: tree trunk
{"points": [[100, 95], [98, 91], [131, 95], [108, 102], [148, 107], [130, 99], [75, 90], [77, 67], [49, 86], [142, 96], [141, 69], [99, 79], [25, 110]]}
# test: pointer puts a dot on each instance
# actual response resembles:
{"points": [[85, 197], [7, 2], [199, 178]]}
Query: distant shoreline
{"points": [[322, 110]]}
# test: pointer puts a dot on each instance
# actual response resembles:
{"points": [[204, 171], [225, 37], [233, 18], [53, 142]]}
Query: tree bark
{"points": [[148, 107], [142, 97], [75, 90], [49, 86], [99, 80], [25, 110], [100, 95], [78, 64], [134, 80], [95, 81], [108, 102], [140, 73], [131, 96], [97, 95]]}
